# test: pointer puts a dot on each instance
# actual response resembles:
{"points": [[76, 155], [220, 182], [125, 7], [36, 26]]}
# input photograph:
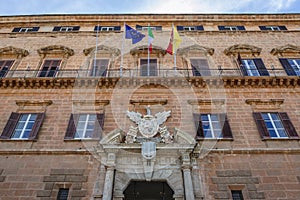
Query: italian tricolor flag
{"points": [[150, 38]]}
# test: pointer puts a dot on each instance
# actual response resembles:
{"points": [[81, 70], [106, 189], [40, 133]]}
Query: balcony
{"points": [[132, 73]]}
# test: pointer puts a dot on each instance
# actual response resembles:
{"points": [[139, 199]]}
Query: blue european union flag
{"points": [[133, 34]]}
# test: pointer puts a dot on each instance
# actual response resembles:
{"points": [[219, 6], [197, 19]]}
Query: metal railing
{"points": [[220, 72]]}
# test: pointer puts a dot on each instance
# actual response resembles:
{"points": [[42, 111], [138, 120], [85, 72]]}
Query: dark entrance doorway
{"points": [[142, 190]]}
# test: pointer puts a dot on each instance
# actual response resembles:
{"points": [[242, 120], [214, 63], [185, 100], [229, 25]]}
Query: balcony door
{"points": [[148, 70]]}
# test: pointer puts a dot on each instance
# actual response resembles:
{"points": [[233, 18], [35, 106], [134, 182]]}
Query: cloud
{"points": [[19, 7], [216, 6]]}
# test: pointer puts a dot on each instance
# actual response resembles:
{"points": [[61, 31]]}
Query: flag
{"points": [[133, 34], [175, 41], [150, 38]]}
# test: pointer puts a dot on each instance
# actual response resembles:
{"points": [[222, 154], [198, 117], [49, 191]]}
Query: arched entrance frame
{"points": [[124, 163]]}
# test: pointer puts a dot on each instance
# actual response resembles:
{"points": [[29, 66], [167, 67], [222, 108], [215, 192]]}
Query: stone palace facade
{"points": [[87, 114]]}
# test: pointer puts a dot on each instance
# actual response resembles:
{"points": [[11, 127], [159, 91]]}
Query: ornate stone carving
{"points": [[111, 50], [242, 49], [195, 47], [56, 49], [10, 50], [286, 49], [148, 126], [144, 49]]}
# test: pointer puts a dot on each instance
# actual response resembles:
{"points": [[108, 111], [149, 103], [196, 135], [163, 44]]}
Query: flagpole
{"points": [[95, 53], [174, 50], [122, 51], [148, 62]]}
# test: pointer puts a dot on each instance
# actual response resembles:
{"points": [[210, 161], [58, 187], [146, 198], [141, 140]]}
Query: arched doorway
{"points": [[143, 190]]}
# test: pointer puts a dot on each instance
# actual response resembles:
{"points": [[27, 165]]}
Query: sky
{"points": [[35, 7]]}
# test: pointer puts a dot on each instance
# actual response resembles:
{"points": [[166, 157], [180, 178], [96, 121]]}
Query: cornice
{"points": [[89, 152], [198, 82], [33, 103]]}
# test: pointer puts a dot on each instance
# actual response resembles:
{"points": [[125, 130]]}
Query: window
{"points": [[85, 126], [212, 126], [50, 68], [190, 28], [99, 67], [5, 66], [274, 125], [272, 28], [150, 70], [23, 126], [25, 29], [237, 195], [107, 28], [63, 194], [200, 67], [145, 28], [291, 66], [252, 67], [66, 28], [231, 28]]}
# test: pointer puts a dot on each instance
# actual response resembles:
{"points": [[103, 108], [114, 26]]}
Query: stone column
{"points": [[108, 185], [188, 184], [109, 176], [187, 177]]}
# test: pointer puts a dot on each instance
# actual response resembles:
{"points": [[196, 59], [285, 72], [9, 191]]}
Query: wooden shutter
{"points": [[199, 28], [10, 125], [198, 125], [261, 126], [200, 67], [221, 28], [76, 28], [99, 124], [138, 27], [35, 29], [226, 130], [287, 124], [37, 124], [241, 28], [16, 30], [282, 28], [179, 28], [261, 67], [71, 130], [117, 28], [241, 66], [287, 67], [263, 28], [56, 28], [97, 28]]}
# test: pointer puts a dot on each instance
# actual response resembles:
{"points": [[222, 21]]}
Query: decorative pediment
{"points": [[286, 50], [56, 49], [114, 137], [195, 47], [242, 49], [10, 50], [144, 49], [110, 50]]}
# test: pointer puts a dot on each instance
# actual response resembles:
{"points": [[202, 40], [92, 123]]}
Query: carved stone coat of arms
{"points": [[148, 125]]}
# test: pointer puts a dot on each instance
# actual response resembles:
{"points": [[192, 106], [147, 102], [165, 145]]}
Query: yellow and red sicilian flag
{"points": [[150, 38], [175, 41]]}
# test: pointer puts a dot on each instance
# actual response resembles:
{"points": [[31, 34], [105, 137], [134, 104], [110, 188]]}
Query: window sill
{"points": [[82, 140], [280, 139], [213, 139], [18, 140]]}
